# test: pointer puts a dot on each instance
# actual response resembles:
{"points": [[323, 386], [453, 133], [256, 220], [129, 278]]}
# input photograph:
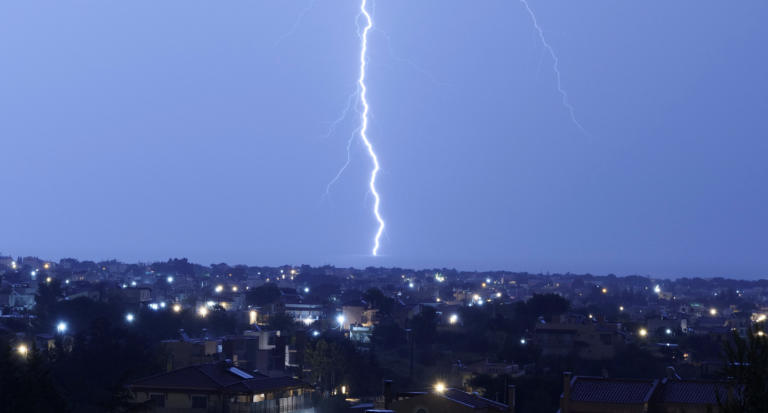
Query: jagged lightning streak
{"points": [[555, 67], [332, 130], [346, 164], [296, 23], [342, 116], [413, 65], [364, 124]]}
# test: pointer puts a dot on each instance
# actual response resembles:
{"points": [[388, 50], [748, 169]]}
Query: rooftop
{"points": [[216, 377], [606, 390]]}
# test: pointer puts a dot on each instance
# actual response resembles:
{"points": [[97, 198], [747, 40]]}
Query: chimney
{"points": [[511, 398], [387, 394], [566, 397]]}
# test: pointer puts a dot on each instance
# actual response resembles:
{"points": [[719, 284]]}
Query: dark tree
{"points": [[48, 294], [26, 384], [747, 365], [263, 295], [379, 301], [282, 322], [547, 305], [388, 334], [424, 326]]}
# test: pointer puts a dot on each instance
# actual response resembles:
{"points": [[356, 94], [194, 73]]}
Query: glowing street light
{"points": [[169, 279], [340, 319], [713, 311], [129, 317], [657, 289], [621, 308], [202, 312], [23, 350], [219, 288], [668, 331], [440, 387], [133, 283], [453, 319], [642, 332], [61, 327], [522, 341], [234, 288], [604, 290], [306, 290], [177, 308]]}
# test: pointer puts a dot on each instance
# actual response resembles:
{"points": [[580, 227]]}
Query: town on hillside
{"points": [[173, 336]]}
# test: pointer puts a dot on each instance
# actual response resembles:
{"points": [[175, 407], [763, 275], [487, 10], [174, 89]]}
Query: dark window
{"points": [[158, 399], [199, 402], [606, 339]]}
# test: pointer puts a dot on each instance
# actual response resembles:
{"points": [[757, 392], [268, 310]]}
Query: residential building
{"points": [[582, 394], [446, 401], [590, 339], [219, 388]]}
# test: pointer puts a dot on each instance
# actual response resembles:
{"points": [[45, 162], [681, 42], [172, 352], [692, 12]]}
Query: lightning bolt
{"points": [[346, 164], [555, 67], [332, 130], [413, 65], [363, 89], [343, 115], [296, 23]]}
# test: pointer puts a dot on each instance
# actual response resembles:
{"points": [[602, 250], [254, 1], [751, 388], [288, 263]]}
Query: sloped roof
{"points": [[604, 390], [215, 377], [473, 401], [692, 391]]}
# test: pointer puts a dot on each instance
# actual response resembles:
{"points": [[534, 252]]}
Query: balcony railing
{"points": [[293, 404]]}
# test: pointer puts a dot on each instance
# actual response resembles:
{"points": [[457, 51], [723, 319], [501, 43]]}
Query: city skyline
{"points": [[208, 133]]}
